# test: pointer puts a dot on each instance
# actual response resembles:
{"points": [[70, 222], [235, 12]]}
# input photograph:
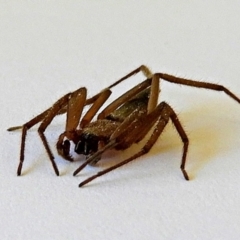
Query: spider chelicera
{"points": [[125, 121]]}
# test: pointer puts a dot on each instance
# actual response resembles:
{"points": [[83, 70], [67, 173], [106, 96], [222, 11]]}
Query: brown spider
{"points": [[123, 122]]}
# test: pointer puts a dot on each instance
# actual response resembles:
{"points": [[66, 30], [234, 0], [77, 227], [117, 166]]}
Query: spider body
{"points": [[125, 121], [96, 134]]}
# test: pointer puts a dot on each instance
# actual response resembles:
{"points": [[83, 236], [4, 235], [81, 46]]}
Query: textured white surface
{"points": [[52, 47]]}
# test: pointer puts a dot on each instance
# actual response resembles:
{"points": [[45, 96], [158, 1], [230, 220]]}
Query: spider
{"points": [[125, 121]]}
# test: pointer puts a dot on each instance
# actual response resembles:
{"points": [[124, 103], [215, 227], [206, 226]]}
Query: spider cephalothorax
{"points": [[87, 140], [125, 121]]}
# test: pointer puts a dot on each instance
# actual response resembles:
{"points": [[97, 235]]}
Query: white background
{"points": [[49, 48]]}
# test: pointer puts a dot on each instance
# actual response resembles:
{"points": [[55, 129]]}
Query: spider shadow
{"points": [[207, 129]]}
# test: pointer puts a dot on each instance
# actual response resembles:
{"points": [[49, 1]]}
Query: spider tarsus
{"points": [[80, 168], [87, 180], [19, 170], [76, 172], [56, 170], [81, 184], [185, 175], [146, 71], [14, 128]]}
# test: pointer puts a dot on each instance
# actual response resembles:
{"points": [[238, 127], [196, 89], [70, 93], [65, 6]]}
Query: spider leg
{"points": [[160, 117], [145, 70], [151, 80], [154, 93], [102, 97], [42, 115], [26, 126], [91, 100], [198, 84], [46, 117], [75, 105], [162, 112]]}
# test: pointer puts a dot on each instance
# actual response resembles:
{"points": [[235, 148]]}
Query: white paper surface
{"points": [[52, 47]]}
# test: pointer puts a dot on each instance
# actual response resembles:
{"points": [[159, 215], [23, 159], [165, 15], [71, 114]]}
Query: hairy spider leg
{"points": [[144, 69], [198, 84], [75, 105], [46, 117], [103, 96], [160, 117], [88, 101]]}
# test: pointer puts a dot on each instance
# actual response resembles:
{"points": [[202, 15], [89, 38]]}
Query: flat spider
{"points": [[123, 122]]}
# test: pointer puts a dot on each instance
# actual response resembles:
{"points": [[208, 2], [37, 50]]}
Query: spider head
{"points": [[85, 143]]}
